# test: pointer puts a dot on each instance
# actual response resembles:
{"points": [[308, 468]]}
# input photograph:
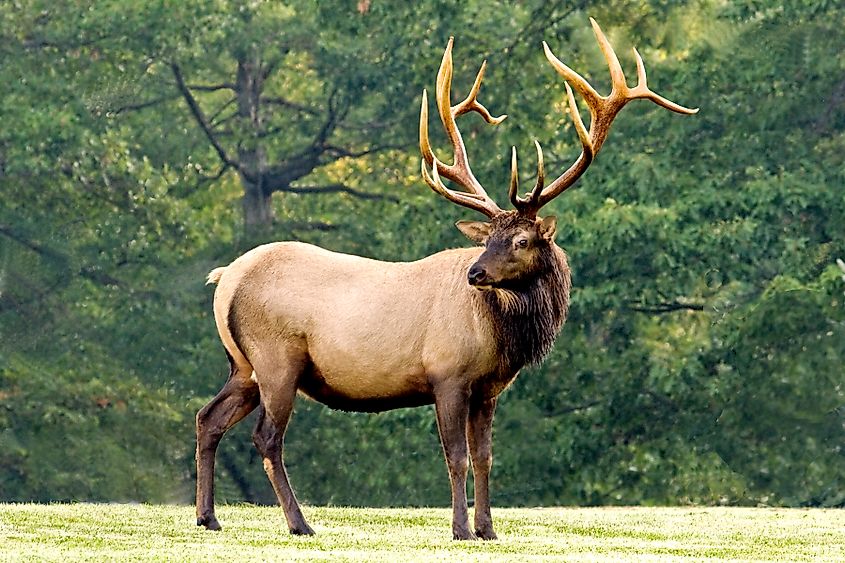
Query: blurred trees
{"points": [[145, 143]]}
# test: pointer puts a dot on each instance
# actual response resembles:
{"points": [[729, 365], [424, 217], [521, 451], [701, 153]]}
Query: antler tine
{"points": [[589, 94], [580, 128], [603, 109], [471, 102], [513, 188], [425, 146], [529, 203], [459, 172], [641, 90], [541, 176], [617, 77], [470, 200]]}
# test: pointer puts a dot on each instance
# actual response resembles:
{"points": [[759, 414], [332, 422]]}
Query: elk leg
{"points": [[277, 397], [481, 449], [452, 411], [237, 399]]}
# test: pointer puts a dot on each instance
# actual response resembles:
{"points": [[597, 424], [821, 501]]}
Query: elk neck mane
{"points": [[527, 317]]}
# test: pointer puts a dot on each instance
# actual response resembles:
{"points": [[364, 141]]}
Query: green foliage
{"points": [[703, 356]]}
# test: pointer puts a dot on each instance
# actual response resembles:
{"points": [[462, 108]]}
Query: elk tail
{"points": [[215, 275]]}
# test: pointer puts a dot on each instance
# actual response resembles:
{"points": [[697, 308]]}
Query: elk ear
{"points": [[547, 228], [476, 231]]}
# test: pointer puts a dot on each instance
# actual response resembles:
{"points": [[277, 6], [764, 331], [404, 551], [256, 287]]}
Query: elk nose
{"points": [[476, 275]]}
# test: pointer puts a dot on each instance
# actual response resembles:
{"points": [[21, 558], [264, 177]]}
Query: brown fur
{"points": [[362, 335], [527, 313]]}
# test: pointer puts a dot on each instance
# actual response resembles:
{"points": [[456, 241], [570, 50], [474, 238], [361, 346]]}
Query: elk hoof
{"points": [[210, 522], [302, 530], [463, 535], [486, 534]]}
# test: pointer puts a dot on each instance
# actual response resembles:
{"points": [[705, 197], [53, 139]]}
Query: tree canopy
{"points": [[144, 144]]}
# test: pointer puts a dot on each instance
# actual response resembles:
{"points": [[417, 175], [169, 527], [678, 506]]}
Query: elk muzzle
{"points": [[477, 275], [490, 270]]}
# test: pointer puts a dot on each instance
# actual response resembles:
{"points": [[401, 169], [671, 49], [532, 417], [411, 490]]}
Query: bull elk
{"points": [[452, 329]]}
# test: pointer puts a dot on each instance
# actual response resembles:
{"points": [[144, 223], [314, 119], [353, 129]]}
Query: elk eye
{"points": [[521, 243]]}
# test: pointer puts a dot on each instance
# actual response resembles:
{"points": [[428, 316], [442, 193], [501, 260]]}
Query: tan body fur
{"points": [[369, 328], [364, 335]]}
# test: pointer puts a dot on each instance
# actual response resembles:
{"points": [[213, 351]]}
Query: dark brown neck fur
{"points": [[528, 316]]}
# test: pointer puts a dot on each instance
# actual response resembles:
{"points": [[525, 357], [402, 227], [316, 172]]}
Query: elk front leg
{"points": [[237, 399], [452, 407], [481, 448]]}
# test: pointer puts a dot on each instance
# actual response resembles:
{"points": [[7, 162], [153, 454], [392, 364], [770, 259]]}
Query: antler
{"points": [[603, 109], [475, 197]]}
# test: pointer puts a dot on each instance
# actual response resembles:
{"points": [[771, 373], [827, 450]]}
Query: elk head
{"points": [[515, 240]]}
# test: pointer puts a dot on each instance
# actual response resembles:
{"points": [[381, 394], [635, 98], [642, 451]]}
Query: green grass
{"points": [[72, 532]]}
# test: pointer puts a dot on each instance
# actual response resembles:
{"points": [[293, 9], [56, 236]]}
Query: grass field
{"points": [[71, 532]]}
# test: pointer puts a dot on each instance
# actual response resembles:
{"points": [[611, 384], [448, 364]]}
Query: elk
{"points": [[452, 329]]}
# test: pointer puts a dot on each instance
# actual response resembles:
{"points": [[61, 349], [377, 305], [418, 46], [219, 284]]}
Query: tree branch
{"points": [[539, 23], [204, 179], [9, 303], [92, 273], [142, 105], [318, 153], [212, 87], [196, 111], [337, 188], [280, 176], [278, 101], [33, 246], [33, 43], [366, 126], [217, 113], [668, 307], [328, 126], [341, 152]]}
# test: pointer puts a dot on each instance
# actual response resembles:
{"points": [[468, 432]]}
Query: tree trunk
{"points": [[257, 208], [258, 211]]}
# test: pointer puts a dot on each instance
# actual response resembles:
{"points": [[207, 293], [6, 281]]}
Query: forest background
{"points": [[144, 143]]}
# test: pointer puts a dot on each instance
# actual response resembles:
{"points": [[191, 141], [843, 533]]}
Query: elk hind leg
{"points": [[278, 384], [237, 399]]}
